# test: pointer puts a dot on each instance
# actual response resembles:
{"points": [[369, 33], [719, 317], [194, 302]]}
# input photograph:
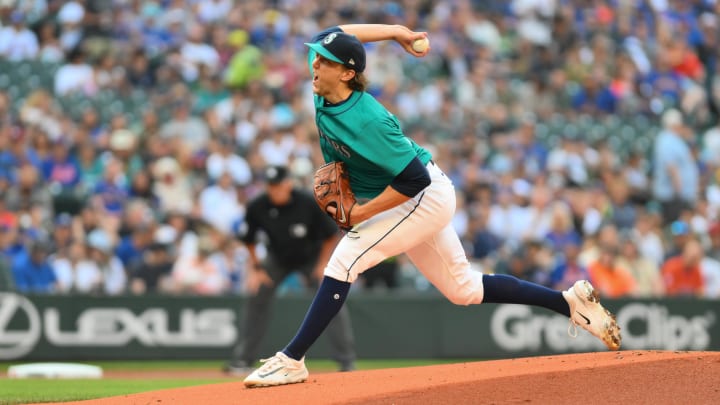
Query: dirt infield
{"points": [[632, 377]]}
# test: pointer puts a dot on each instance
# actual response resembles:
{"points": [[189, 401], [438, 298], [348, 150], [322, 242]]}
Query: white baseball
{"points": [[420, 45]]}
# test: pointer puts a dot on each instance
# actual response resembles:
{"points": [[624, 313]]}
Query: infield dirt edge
{"points": [[642, 375]]}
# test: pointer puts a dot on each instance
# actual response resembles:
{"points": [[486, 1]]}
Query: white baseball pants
{"points": [[420, 228]]}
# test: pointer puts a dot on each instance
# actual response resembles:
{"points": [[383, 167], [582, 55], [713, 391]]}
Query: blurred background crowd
{"points": [[582, 137]]}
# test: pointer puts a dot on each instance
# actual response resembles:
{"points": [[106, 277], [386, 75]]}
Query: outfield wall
{"points": [[385, 326]]}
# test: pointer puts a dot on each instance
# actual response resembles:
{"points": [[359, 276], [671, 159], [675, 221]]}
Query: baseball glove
{"points": [[331, 187]]}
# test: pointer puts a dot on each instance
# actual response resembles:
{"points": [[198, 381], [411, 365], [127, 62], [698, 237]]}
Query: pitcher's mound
{"points": [[632, 377]]}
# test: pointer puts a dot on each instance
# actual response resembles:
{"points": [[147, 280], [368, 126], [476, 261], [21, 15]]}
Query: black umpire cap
{"points": [[342, 48], [275, 174]]}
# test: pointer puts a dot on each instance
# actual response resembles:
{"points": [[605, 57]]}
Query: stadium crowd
{"points": [[582, 136]]}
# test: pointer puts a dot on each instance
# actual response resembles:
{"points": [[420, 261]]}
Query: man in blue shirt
{"points": [[31, 271]]}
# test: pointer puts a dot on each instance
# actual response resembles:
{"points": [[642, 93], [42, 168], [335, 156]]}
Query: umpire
{"points": [[298, 237]]}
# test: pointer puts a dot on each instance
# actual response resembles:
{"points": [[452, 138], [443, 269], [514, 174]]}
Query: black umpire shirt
{"points": [[295, 231]]}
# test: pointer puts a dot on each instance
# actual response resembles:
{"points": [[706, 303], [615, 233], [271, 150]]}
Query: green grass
{"points": [[23, 391]]}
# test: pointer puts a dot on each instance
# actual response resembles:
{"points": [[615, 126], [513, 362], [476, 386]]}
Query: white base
{"points": [[54, 370]]}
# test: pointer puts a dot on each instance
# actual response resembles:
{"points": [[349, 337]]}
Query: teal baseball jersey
{"points": [[362, 133]]}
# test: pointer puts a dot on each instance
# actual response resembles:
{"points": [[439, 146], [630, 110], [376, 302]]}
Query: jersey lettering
{"points": [[339, 147]]}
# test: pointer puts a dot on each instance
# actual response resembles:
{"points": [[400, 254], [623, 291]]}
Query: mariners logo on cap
{"points": [[329, 38]]}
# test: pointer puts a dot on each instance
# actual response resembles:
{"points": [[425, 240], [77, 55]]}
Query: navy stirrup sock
{"points": [[327, 303], [503, 289]]}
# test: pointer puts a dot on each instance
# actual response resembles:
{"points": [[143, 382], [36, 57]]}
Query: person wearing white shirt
{"points": [[219, 204], [226, 160], [17, 42], [75, 76], [108, 267], [211, 11], [503, 218], [194, 52], [710, 269], [277, 148], [75, 272]]}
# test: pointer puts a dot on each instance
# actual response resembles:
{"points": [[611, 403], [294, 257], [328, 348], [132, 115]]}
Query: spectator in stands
{"points": [[31, 269], [171, 186], [141, 188], [675, 170], [62, 235], [587, 216], [40, 110], [679, 234], [131, 248], [645, 272], [568, 269], [220, 204], [17, 41], [246, 64], [50, 50], [713, 250], [70, 17], [232, 258], [18, 153], [29, 191], [533, 154], [539, 214], [75, 273], [152, 273], [681, 273], [11, 244], [607, 235], [595, 97], [75, 76], [276, 147], [562, 231], [484, 243], [123, 146], [505, 217], [198, 274], [532, 261], [90, 165], [567, 163], [213, 11], [192, 131], [224, 159], [180, 232], [635, 173], [139, 71], [710, 269], [60, 169], [96, 129], [196, 54], [111, 192], [108, 73], [108, 273], [608, 277], [623, 210]]}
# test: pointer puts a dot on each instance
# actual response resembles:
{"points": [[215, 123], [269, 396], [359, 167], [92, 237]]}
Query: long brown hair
{"points": [[359, 82]]}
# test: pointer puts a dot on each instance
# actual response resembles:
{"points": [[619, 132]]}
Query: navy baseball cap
{"points": [[342, 48], [275, 174]]}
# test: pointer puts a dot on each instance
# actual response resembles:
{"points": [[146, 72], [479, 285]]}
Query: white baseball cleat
{"points": [[586, 311], [278, 370]]}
